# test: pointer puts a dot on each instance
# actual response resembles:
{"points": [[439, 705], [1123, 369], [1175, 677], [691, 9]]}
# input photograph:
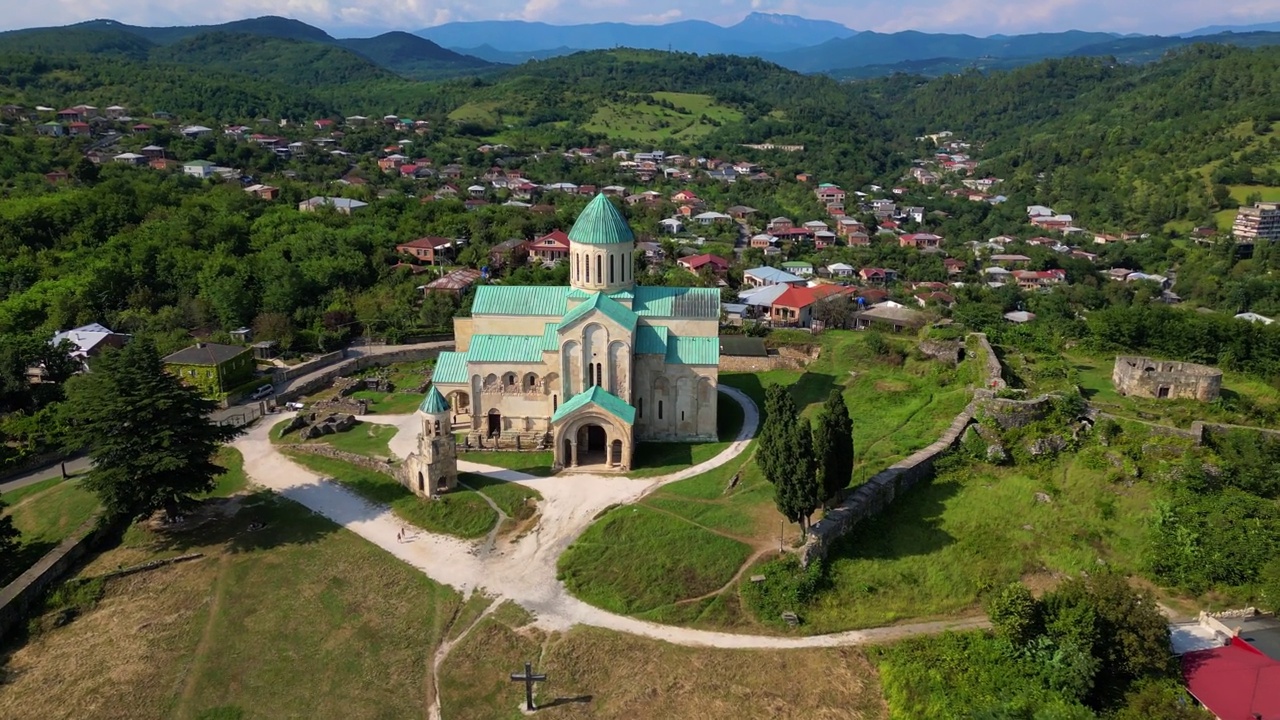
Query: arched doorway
{"points": [[422, 483], [593, 443], [495, 423], [615, 453], [460, 402]]}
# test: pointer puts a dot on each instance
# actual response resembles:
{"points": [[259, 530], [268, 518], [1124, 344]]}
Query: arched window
{"points": [[659, 409], [555, 403], [640, 407], [599, 375], [510, 381], [530, 382], [437, 427], [599, 269], [577, 271], [611, 267], [588, 270]]}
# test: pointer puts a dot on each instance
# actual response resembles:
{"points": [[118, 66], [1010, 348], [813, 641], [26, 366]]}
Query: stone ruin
{"points": [[313, 425], [950, 352], [1166, 379]]}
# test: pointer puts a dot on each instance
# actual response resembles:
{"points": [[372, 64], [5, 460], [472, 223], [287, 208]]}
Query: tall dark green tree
{"points": [[10, 544], [780, 416], [150, 437], [833, 446], [797, 492]]}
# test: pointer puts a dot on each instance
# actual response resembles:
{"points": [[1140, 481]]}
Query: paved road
{"points": [[80, 464], [74, 465]]}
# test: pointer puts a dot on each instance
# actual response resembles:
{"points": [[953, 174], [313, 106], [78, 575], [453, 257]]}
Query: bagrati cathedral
{"points": [[584, 370]]}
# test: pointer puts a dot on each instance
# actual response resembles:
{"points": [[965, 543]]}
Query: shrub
{"points": [[787, 587]]}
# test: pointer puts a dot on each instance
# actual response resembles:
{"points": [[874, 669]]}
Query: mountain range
{"points": [[263, 46], [400, 53]]}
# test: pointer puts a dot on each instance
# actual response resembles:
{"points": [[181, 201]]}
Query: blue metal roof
{"points": [[609, 307], [602, 399], [451, 369], [600, 223], [505, 348], [536, 300], [773, 275], [651, 340], [434, 404], [693, 350], [689, 303]]}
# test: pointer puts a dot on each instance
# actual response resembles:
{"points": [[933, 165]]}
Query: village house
{"points": [[920, 241], [343, 206], [762, 241], [215, 370], [263, 192], [766, 276], [1007, 260], [432, 250], [802, 268], [840, 270], [1037, 279], [779, 224], [199, 169], [455, 283], [79, 129], [550, 248], [696, 263], [954, 266], [88, 341], [877, 276], [889, 316]]}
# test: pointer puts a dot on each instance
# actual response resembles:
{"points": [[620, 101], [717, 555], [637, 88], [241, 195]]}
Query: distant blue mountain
{"points": [[757, 33], [1216, 29]]}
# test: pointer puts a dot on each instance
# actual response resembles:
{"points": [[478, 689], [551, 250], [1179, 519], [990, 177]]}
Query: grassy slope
{"points": [[265, 625], [652, 123], [462, 513]]}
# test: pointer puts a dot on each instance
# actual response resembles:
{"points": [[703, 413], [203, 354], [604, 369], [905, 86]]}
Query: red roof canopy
{"points": [[1234, 681]]}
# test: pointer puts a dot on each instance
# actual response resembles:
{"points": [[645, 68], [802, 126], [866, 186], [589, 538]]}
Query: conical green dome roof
{"points": [[435, 404], [600, 224]]}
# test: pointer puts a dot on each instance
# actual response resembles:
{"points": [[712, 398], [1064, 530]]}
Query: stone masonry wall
{"points": [[1010, 413], [1144, 377], [19, 596], [334, 453], [873, 496], [353, 365], [994, 374]]}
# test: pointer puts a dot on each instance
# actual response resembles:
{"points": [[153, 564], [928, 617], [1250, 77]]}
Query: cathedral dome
{"points": [[600, 224]]}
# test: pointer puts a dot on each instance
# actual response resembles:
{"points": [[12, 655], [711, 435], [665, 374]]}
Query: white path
{"points": [[525, 571]]}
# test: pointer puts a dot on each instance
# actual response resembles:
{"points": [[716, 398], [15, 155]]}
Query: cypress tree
{"points": [[833, 446], [150, 437], [796, 492], [780, 418]]}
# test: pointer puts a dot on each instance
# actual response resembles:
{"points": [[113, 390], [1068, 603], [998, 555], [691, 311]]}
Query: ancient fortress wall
{"points": [[1145, 377]]}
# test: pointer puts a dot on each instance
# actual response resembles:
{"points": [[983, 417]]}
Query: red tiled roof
{"points": [[795, 297], [698, 261], [1234, 681], [554, 240]]}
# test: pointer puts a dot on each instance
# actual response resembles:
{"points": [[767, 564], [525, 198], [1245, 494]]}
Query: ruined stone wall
{"points": [[994, 374], [1144, 377], [21, 595], [782, 358], [363, 461], [353, 365], [1009, 413]]}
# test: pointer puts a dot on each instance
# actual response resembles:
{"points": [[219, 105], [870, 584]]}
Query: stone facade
{"points": [[432, 469], [591, 368], [1161, 379]]}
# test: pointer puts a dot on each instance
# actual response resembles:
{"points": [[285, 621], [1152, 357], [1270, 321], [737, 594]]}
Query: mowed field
{"points": [[693, 116], [679, 554], [288, 615]]}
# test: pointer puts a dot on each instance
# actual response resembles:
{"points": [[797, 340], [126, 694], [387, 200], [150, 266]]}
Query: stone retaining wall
{"points": [[876, 494], [994, 373], [363, 461], [873, 496], [296, 371], [1010, 413], [356, 364], [19, 596]]}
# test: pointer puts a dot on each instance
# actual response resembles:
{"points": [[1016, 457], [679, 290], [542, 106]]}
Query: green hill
{"points": [[286, 61], [76, 40], [415, 57]]}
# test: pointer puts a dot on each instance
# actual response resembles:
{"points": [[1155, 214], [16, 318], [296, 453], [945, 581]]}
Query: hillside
{"points": [[1119, 146], [278, 49], [758, 32], [414, 57], [872, 48]]}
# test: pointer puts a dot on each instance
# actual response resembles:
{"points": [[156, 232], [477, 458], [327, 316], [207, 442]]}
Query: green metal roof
{"points": [[505, 348], [797, 264], [579, 294], [602, 399], [451, 368], [611, 309], [600, 224], [691, 303], [435, 403], [693, 350], [538, 300], [651, 340], [551, 337]]}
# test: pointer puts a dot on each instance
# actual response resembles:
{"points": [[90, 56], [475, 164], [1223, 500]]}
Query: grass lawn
{"points": [[625, 563], [298, 619], [934, 551], [1245, 400], [45, 514], [369, 439], [516, 500], [462, 513], [233, 479], [694, 116], [592, 674], [535, 462], [652, 459], [396, 403]]}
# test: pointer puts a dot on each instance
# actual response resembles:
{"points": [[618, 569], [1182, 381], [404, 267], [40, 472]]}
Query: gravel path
{"points": [[525, 571]]}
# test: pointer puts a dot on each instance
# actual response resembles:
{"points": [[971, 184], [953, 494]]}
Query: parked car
{"points": [[294, 406], [262, 392]]}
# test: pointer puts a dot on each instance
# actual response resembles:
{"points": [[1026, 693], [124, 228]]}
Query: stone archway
{"points": [[593, 445], [494, 426], [593, 441]]}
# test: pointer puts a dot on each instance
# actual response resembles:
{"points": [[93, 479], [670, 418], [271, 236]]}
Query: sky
{"points": [[346, 18]]}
